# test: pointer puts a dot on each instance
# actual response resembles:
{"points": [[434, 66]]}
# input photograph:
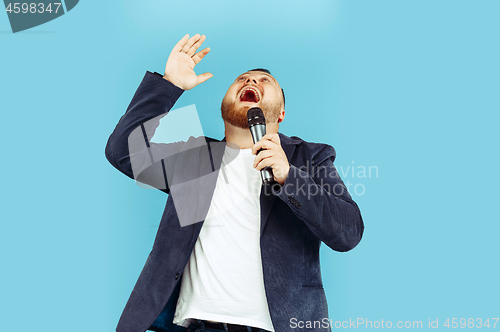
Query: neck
{"points": [[242, 137]]}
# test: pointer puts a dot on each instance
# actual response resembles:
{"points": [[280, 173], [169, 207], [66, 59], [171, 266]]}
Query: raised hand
{"points": [[182, 60]]}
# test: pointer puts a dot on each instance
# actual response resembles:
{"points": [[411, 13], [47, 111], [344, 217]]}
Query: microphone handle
{"points": [[258, 131]]}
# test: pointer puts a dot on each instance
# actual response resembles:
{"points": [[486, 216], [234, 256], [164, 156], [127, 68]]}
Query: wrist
{"points": [[166, 77]]}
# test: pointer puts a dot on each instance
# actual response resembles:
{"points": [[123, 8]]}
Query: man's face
{"points": [[252, 89]]}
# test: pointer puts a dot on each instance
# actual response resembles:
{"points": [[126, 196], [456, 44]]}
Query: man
{"points": [[247, 258]]}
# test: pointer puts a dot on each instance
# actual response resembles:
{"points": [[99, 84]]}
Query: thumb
{"points": [[203, 77]]}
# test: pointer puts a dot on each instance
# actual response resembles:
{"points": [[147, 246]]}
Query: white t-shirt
{"points": [[223, 279]]}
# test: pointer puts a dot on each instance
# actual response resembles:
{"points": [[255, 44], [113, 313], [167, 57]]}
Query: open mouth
{"points": [[250, 94]]}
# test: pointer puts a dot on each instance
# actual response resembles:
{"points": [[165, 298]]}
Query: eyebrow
{"points": [[260, 73]]}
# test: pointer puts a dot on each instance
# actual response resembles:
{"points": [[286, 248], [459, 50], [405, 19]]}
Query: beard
{"points": [[237, 116]]}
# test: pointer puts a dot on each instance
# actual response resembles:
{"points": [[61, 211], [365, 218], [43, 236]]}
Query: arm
{"points": [[320, 199], [128, 148], [317, 195], [154, 97]]}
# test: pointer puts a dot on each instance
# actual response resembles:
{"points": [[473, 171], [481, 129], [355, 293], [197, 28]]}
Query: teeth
{"points": [[254, 91]]}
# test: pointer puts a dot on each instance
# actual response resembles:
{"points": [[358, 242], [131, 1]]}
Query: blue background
{"points": [[411, 87]]}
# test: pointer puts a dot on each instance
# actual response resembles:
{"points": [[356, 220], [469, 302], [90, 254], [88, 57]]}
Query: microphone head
{"points": [[255, 116]]}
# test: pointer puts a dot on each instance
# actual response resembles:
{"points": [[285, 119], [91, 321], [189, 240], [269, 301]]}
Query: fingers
{"points": [[268, 141], [268, 162], [273, 138], [261, 145], [191, 41], [198, 56], [261, 157], [203, 77], [195, 46], [269, 153], [180, 44], [180, 64]]}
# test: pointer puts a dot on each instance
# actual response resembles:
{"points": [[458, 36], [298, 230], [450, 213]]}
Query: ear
{"points": [[282, 115]]}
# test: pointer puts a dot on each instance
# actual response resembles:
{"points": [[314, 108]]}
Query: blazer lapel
{"points": [[210, 164]]}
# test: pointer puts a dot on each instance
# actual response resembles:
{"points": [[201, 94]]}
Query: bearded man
{"points": [[231, 253]]}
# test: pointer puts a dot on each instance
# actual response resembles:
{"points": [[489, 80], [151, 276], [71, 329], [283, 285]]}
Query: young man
{"points": [[231, 254]]}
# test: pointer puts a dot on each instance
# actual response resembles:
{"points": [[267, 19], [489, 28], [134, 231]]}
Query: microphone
{"points": [[257, 125]]}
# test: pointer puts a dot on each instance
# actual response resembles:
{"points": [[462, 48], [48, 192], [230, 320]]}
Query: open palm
{"points": [[182, 60]]}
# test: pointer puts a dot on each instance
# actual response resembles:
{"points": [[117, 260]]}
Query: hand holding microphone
{"points": [[270, 158]]}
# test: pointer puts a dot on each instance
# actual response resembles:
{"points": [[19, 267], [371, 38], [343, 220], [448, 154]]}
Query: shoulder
{"points": [[311, 149]]}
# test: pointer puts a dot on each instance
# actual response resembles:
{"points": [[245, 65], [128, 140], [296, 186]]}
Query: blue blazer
{"points": [[313, 206]]}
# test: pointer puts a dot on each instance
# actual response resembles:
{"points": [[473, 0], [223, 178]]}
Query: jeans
{"points": [[198, 326]]}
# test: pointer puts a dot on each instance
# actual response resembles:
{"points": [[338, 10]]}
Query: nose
{"points": [[251, 79]]}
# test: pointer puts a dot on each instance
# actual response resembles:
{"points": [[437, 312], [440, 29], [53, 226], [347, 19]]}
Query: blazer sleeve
{"points": [[319, 197], [129, 148]]}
